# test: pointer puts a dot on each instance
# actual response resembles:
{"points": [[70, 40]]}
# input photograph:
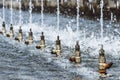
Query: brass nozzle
{"points": [[77, 47], [20, 30], [42, 36], [30, 30], [102, 58], [20, 35], [11, 27], [3, 29], [42, 33], [3, 24], [77, 53], [57, 37], [30, 33], [30, 38], [101, 51], [58, 41]]}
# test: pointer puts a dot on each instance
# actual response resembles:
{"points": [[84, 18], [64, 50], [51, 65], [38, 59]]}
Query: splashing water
{"points": [[78, 10], [101, 20], [84, 35], [3, 10], [20, 14], [11, 12], [58, 15], [68, 37], [42, 9]]}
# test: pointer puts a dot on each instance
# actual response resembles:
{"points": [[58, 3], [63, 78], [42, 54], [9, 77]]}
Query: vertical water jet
{"points": [[42, 16], [20, 13], [58, 16], [30, 11], [78, 11], [3, 10], [11, 12], [101, 19]]}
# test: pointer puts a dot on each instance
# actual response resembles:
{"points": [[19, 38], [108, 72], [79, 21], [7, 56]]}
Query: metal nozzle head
{"points": [[77, 42], [30, 30], [42, 36], [101, 46], [101, 51], [11, 27], [20, 30], [20, 27], [42, 33], [3, 24], [57, 41], [77, 47], [57, 37]]}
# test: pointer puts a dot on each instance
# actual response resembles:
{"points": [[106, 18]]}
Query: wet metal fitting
{"points": [[57, 51], [77, 56], [3, 32], [58, 46], [102, 58], [102, 61], [103, 66], [20, 35], [42, 42], [30, 38], [11, 33], [77, 53]]}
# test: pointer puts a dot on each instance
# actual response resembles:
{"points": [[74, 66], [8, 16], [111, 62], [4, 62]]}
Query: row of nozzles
{"points": [[75, 58]]}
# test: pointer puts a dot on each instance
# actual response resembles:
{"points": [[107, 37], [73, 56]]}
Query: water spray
{"points": [[3, 10], [20, 15], [42, 9], [11, 11]]}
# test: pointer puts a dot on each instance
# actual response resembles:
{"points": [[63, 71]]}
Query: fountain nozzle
{"points": [[30, 38], [103, 66], [3, 32], [20, 35], [42, 42], [11, 33], [57, 51], [77, 56], [3, 24]]}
